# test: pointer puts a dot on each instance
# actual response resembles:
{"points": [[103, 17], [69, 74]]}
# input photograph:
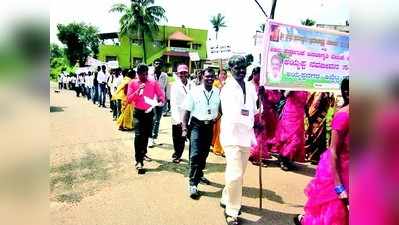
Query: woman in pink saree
{"points": [[265, 122], [328, 192], [289, 140]]}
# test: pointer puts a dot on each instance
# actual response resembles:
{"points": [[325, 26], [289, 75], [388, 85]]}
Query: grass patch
{"points": [[75, 175], [72, 197]]}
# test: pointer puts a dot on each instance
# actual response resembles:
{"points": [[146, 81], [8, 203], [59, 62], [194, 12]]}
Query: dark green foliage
{"points": [[308, 22], [81, 41]]}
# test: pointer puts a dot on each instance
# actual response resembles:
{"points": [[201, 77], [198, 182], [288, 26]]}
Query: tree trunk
{"points": [[220, 60], [130, 54], [144, 51]]}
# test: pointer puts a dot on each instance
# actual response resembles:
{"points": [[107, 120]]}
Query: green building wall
{"points": [[121, 51]]}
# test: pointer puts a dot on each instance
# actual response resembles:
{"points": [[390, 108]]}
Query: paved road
{"points": [[93, 180]]}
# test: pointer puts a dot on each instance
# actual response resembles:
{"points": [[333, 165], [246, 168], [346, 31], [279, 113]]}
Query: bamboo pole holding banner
{"points": [[261, 108]]}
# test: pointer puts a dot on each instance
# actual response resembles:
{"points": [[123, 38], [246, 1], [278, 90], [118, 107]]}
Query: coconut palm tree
{"points": [[140, 18], [217, 23], [308, 22]]}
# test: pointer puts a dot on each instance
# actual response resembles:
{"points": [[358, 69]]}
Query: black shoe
{"points": [[140, 168], [205, 181]]}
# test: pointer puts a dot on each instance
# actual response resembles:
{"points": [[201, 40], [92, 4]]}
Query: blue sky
{"points": [[243, 17]]}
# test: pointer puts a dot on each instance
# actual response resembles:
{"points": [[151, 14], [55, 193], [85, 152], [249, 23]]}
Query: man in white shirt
{"points": [[79, 85], [202, 104], [113, 85], [117, 81], [65, 80], [238, 103], [102, 85], [73, 82], [178, 93], [88, 85], [162, 79], [61, 78]]}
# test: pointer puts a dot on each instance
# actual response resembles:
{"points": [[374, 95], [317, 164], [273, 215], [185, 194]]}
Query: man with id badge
{"points": [[238, 104], [202, 104]]}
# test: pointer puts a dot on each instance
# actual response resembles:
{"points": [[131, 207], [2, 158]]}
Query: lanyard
{"points": [[208, 99], [245, 93], [184, 89]]}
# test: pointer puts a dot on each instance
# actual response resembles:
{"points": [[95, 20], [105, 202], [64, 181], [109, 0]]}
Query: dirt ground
{"points": [[93, 180]]}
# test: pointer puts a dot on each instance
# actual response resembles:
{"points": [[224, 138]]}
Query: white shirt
{"points": [[236, 128], [65, 78], [178, 94], [79, 80], [162, 81], [102, 77], [203, 104], [89, 81], [117, 81]]}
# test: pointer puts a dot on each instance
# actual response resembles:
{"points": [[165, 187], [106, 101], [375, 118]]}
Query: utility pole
{"points": [[273, 9]]}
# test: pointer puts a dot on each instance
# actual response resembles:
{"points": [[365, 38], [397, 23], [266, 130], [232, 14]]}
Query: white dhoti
{"points": [[236, 164]]}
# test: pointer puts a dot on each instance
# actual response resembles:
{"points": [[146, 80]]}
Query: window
{"points": [[110, 58], [136, 61], [137, 42], [157, 43], [196, 46]]}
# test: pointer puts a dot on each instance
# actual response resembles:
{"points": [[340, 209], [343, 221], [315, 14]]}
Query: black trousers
{"points": [[178, 141], [77, 90], [200, 142], [142, 130]]}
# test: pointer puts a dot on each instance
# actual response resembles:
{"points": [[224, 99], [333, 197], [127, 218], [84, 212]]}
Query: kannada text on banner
{"points": [[302, 58]]}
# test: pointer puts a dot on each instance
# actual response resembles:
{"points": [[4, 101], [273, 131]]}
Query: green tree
{"points": [[141, 17], [217, 23], [308, 22], [58, 61], [81, 41], [56, 51]]}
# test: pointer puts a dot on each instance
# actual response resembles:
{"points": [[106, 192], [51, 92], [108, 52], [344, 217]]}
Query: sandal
{"points": [[176, 161], [284, 167], [230, 220], [298, 219]]}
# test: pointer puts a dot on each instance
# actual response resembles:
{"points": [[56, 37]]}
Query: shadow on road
{"points": [[301, 168], [267, 216], [249, 192], [164, 146], [182, 167], [57, 109]]}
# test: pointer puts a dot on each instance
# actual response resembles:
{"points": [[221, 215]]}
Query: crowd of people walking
{"points": [[233, 116]]}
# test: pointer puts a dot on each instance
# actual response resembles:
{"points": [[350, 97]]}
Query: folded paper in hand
{"points": [[151, 102]]}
